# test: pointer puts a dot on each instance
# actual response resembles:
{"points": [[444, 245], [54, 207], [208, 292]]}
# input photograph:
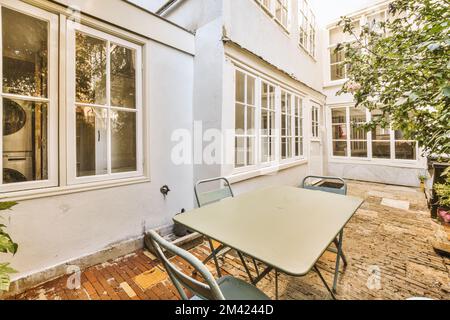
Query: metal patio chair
{"points": [[226, 288], [205, 198], [343, 191]]}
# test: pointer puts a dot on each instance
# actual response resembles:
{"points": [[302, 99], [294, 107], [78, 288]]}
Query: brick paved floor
{"points": [[389, 253]]}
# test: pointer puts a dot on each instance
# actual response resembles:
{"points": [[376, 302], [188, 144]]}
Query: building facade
{"points": [[95, 103]]}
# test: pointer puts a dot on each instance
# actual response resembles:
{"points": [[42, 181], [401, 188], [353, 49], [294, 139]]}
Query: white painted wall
{"points": [[249, 25], [53, 230]]}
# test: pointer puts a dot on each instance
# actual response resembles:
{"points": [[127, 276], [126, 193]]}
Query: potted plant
{"points": [[422, 178], [7, 246], [443, 192]]}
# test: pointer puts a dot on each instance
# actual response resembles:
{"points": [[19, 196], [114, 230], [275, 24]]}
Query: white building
{"points": [[96, 94]]}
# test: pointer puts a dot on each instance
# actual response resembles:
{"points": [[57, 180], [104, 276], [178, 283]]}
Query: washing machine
{"points": [[17, 141]]}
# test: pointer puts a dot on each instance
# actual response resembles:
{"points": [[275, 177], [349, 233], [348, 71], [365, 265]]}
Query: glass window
{"points": [[286, 125], [298, 124], [106, 105], [282, 12], [381, 140], [268, 122], [245, 119], [315, 121], [337, 66], [28, 105], [404, 149], [339, 132], [358, 135], [307, 27]]}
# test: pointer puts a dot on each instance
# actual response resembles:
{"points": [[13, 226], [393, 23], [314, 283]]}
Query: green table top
{"points": [[285, 227]]}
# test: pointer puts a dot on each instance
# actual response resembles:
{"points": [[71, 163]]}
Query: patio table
{"points": [[286, 228]]}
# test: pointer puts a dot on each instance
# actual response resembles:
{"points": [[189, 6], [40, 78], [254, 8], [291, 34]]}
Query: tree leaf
{"points": [[7, 205]]}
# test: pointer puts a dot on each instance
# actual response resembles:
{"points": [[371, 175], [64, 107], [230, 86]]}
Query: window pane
{"points": [[283, 102], [25, 54], [272, 98], [337, 71], [357, 115], [405, 150], [380, 133], [358, 149], [339, 115], [358, 133], [251, 151], [340, 148], [90, 69], [240, 119], [25, 149], [264, 122], [250, 120], [336, 56], [381, 150], [265, 149], [240, 152], [92, 141], [284, 148], [123, 141], [240, 87], [339, 132], [123, 77], [251, 91]]}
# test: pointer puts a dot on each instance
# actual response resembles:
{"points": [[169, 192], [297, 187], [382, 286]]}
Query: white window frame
{"points": [[278, 161], [315, 122], [307, 27], [369, 158], [72, 178], [51, 101], [271, 10], [272, 134]]}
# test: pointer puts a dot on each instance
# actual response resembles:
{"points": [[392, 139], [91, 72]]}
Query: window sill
{"points": [[59, 191], [302, 48], [243, 176], [410, 164], [334, 83]]}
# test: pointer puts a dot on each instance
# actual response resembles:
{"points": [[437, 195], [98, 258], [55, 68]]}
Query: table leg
{"points": [[213, 252], [262, 275], [276, 285], [325, 283], [338, 261]]}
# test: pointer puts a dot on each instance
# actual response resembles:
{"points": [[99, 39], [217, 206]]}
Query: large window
{"points": [[268, 123], [307, 28], [282, 12], [245, 111], [350, 140], [279, 10], [28, 97], [315, 121], [279, 128], [104, 106]]}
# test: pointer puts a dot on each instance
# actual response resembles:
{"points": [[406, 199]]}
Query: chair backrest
{"points": [[342, 190], [215, 195], [208, 291]]}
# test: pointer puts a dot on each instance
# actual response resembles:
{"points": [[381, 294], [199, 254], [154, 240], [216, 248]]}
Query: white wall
{"points": [[53, 230], [248, 25]]}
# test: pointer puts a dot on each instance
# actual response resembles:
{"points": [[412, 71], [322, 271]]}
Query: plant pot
{"points": [[422, 186], [444, 215]]}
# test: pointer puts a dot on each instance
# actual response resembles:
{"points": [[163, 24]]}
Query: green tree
{"points": [[7, 245], [402, 67]]}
